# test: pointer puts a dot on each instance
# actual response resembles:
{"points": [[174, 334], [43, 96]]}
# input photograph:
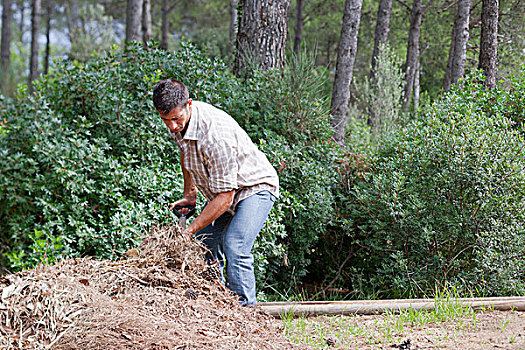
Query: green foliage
{"points": [[296, 125], [84, 162], [216, 42], [88, 164], [378, 100], [442, 201]]}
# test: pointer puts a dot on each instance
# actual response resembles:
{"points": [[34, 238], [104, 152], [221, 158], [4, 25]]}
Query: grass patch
{"points": [[384, 330]]}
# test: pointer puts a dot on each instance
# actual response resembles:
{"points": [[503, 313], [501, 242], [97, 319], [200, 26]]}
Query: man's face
{"points": [[177, 119]]}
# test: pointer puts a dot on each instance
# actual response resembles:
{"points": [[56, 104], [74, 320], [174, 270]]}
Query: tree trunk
{"points": [[22, 21], [412, 51], [417, 85], [458, 46], [346, 53], [164, 26], [72, 18], [262, 33], [299, 24], [448, 71], [133, 20], [381, 33], [49, 9], [147, 33], [233, 25], [35, 25], [5, 47], [488, 52]]}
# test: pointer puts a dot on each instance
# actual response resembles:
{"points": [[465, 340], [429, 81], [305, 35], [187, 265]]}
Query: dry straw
{"points": [[157, 297]]}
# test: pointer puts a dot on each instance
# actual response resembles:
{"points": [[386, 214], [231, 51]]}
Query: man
{"points": [[219, 159]]}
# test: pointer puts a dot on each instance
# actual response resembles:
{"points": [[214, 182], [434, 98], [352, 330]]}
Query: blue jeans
{"points": [[230, 239]]}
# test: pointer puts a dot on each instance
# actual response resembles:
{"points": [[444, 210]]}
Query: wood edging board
{"points": [[372, 307]]}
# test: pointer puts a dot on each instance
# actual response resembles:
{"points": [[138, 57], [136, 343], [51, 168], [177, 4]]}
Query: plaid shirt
{"points": [[221, 157]]}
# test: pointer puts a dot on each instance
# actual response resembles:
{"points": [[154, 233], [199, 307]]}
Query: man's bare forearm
{"points": [[212, 211]]}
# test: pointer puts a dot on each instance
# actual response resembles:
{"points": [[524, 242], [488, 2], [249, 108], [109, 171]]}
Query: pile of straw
{"points": [[155, 298]]}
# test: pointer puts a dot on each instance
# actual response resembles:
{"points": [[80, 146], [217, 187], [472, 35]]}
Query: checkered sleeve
{"points": [[222, 166]]}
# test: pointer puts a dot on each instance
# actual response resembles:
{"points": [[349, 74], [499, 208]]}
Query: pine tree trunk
{"points": [[74, 13], [417, 85], [456, 69], [133, 20], [448, 71], [488, 53], [381, 32], [412, 51], [299, 24], [72, 18], [233, 25], [49, 9], [147, 33], [21, 26], [35, 26], [346, 53], [261, 37], [5, 47], [164, 26]]}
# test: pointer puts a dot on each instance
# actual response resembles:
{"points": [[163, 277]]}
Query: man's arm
{"points": [[212, 211], [190, 190]]}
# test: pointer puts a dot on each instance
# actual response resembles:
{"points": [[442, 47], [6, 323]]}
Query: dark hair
{"points": [[169, 94]]}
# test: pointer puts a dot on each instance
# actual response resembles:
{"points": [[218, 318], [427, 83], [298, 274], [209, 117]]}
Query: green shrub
{"points": [[378, 101], [87, 165], [443, 201], [84, 163]]}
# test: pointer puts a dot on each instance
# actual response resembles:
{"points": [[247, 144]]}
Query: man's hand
{"points": [[186, 233], [184, 202]]}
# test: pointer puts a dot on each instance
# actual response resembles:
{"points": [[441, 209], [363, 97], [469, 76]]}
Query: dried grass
{"points": [[156, 298]]}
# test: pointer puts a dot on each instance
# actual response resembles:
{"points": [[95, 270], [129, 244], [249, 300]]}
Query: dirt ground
{"points": [[479, 331], [163, 295]]}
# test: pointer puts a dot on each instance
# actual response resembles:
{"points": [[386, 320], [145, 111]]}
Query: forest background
{"points": [[401, 164]]}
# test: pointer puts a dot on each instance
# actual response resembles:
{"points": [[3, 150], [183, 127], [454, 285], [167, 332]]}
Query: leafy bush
{"points": [[84, 163], [443, 201], [87, 165]]}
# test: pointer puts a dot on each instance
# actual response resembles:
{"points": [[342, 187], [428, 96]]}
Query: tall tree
{"points": [[147, 33], [261, 36], [133, 20], [21, 24], [233, 25], [458, 46], [412, 50], [448, 71], [381, 32], [165, 23], [488, 52], [49, 10], [5, 47], [346, 53], [299, 24], [417, 87], [35, 26], [72, 17]]}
